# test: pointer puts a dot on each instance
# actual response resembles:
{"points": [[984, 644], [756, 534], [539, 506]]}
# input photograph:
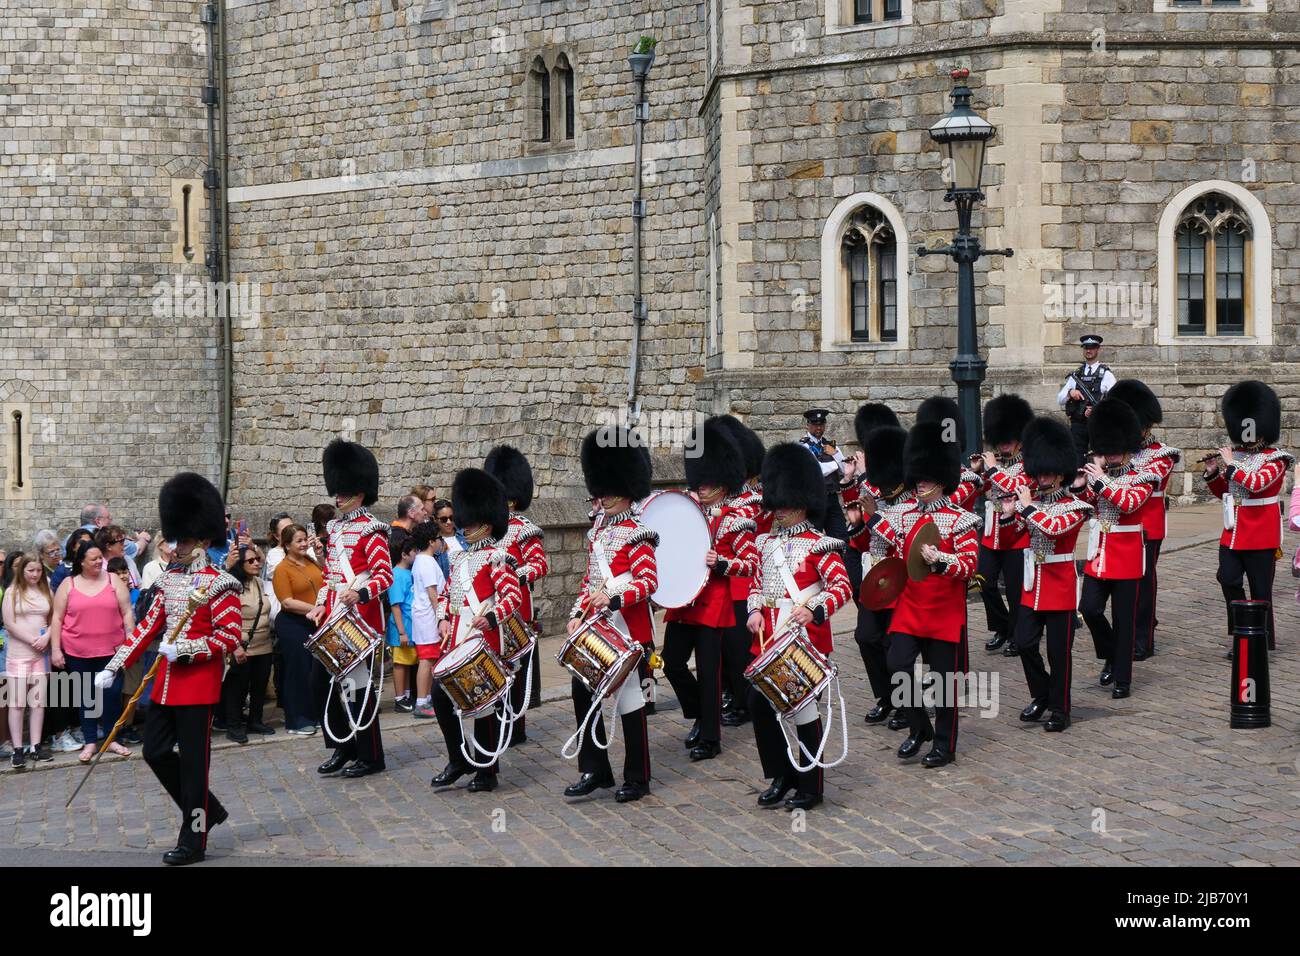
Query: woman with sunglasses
{"points": [[450, 540], [250, 665]]}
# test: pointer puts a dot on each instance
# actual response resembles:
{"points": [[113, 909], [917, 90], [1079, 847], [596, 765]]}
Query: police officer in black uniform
{"points": [[831, 461], [1084, 388]]}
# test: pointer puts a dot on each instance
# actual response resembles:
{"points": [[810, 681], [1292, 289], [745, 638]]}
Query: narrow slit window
{"points": [[19, 465], [187, 247]]}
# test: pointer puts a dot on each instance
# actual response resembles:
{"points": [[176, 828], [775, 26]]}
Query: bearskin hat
{"points": [[871, 416], [190, 509], [509, 466], [940, 408], [713, 458], [1138, 397], [479, 498], [351, 469], [927, 457], [884, 453], [1252, 412], [615, 463], [751, 446], [1113, 428], [1049, 449], [1005, 418], [792, 479]]}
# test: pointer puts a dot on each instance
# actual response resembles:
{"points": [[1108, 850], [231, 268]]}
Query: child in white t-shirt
{"points": [[428, 583]]}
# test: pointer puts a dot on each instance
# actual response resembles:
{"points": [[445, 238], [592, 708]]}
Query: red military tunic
{"points": [[1003, 532], [751, 499], [732, 531], [935, 606], [1054, 521], [211, 633], [1158, 460], [358, 542], [1116, 549], [482, 583], [1254, 482], [523, 540], [813, 561], [628, 573], [968, 490]]}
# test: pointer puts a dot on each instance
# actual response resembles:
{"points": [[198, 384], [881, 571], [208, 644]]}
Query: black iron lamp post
{"points": [[962, 135]]}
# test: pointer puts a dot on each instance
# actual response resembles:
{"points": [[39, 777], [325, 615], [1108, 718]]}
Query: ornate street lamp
{"points": [[962, 136]]}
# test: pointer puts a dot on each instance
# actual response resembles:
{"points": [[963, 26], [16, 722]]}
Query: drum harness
{"points": [[588, 724], [352, 581], [506, 718], [787, 607]]}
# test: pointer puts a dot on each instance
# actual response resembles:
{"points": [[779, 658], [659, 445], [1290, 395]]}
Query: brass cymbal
{"points": [[883, 584], [926, 533]]}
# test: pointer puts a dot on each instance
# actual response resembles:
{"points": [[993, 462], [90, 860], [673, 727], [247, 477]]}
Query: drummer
{"points": [[358, 572], [524, 541], [715, 474], [872, 519], [482, 590], [930, 617], [621, 576], [799, 584]]}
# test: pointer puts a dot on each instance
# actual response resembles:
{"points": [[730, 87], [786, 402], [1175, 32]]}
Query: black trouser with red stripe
{"points": [[1054, 688], [636, 740], [177, 748], [871, 634], [1144, 638], [772, 748], [947, 661], [1258, 568], [700, 693], [1009, 567], [486, 731], [736, 656], [1113, 643], [365, 745]]}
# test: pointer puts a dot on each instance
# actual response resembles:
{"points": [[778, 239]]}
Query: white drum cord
{"points": [[376, 658], [815, 759]]}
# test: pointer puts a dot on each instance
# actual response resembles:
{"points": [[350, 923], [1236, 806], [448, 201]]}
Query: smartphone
{"points": [[243, 526]]}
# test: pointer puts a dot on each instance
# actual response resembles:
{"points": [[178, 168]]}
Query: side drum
{"points": [[473, 677], [600, 656], [790, 673], [343, 642]]}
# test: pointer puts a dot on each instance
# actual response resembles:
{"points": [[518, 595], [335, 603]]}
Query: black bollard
{"points": [[1250, 695]]}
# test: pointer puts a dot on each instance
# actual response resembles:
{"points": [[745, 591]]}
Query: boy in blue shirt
{"points": [[399, 627]]}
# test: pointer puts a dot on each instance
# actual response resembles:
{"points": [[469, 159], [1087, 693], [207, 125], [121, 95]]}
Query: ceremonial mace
{"points": [[196, 599]]}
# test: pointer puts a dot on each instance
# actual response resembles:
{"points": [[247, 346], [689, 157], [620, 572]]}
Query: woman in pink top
{"points": [[25, 611], [91, 618]]}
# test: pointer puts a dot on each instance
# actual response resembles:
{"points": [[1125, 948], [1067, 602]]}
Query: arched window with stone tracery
{"points": [[869, 260], [1214, 268]]}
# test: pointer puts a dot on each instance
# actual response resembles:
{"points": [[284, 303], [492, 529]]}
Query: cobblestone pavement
{"points": [[1155, 779]]}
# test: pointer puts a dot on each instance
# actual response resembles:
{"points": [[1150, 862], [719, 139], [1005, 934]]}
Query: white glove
{"points": [[105, 679], [168, 651]]}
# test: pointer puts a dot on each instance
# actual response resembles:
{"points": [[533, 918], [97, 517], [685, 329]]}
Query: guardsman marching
{"points": [[524, 541], [1004, 538], [178, 723], [358, 572], [800, 577], [873, 520], [1083, 389], [737, 640], [1116, 554], [1054, 518], [1158, 459], [930, 617], [1248, 478], [715, 473], [621, 576], [483, 590]]}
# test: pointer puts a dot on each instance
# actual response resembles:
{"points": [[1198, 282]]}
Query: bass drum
{"points": [[684, 539]]}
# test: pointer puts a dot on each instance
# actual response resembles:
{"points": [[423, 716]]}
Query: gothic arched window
{"points": [[869, 258], [1213, 267]]}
